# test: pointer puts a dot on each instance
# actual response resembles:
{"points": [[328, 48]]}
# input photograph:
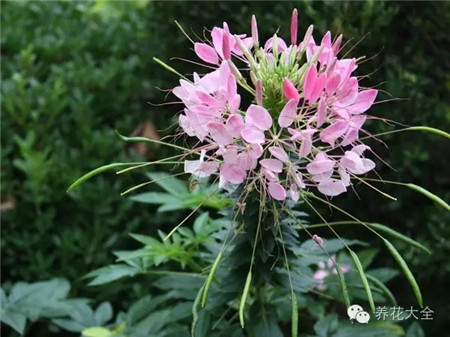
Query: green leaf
{"points": [[154, 198], [174, 186], [200, 222], [363, 277], [145, 239], [248, 281], [406, 271], [366, 256], [415, 330], [111, 273], [96, 331], [383, 274], [99, 170], [326, 326], [103, 313], [126, 255], [15, 320]]}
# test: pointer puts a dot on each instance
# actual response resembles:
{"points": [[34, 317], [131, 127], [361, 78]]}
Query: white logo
{"points": [[362, 317], [356, 312]]}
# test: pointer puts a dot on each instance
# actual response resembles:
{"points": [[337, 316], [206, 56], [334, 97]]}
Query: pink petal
{"points": [[356, 122], [293, 192], [359, 149], [207, 168], [305, 147], [332, 83], [219, 133], [332, 187], [233, 173], [322, 176], [226, 49], [355, 164], [280, 43], [279, 153], [318, 88], [206, 53], [234, 103], [277, 191], [348, 94], [289, 90], [234, 125], [258, 117], [310, 81], [269, 175], [321, 112], [273, 165], [299, 181], [345, 177], [320, 275], [320, 164], [333, 132], [217, 39], [256, 151], [288, 114], [326, 40], [246, 161], [253, 136], [229, 154], [364, 101]]}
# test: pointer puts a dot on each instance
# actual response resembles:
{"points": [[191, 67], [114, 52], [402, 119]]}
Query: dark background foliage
{"points": [[72, 73]]}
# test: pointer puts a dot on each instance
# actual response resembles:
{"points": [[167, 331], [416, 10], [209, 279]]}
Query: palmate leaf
{"points": [[111, 273]]}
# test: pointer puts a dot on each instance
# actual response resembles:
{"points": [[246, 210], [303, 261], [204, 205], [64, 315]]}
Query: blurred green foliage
{"points": [[73, 72]]}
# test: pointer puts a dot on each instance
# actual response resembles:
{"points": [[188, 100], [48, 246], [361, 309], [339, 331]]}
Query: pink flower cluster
{"points": [[302, 131]]}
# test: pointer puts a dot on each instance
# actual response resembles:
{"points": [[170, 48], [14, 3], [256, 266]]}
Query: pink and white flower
{"points": [[302, 132]]}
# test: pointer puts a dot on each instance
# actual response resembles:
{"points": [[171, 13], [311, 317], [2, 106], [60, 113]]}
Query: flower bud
{"points": [[259, 92], [235, 71], [337, 44], [246, 52], [307, 37], [255, 32], [316, 55], [294, 27]]}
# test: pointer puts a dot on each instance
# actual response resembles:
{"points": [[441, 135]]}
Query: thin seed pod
{"points": [[429, 195], [363, 277], [294, 318], [99, 170], [248, 281], [399, 236], [210, 278], [195, 311], [343, 285], [406, 271]]}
